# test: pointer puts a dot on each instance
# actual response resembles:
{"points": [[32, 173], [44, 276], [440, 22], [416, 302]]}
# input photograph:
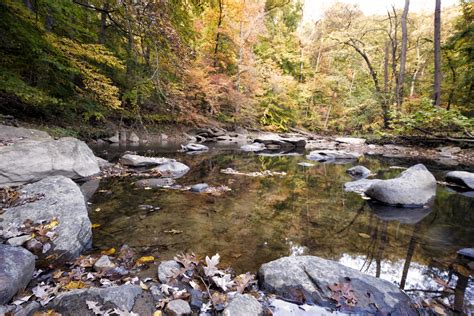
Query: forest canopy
{"points": [[251, 63]]}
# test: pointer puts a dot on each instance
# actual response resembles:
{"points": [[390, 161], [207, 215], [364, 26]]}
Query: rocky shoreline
{"points": [[45, 229]]}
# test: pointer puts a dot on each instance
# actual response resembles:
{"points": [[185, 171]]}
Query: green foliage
{"points": [[423, 116]]}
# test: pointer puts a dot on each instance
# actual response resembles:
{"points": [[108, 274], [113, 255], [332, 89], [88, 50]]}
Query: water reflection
{"points": [[307, 212]]}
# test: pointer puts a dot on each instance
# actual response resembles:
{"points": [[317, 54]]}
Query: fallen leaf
{"points": [[157, 313], [173, 231], [108, 252], [94, 226], [211, 265], [73, 285], [98, 209], [146, 259], [363, 235]]}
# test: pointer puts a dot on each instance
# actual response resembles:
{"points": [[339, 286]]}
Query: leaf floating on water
{"points": [[98, 209], [173, 231], [108, 252], [364, 235], [94, 226]]}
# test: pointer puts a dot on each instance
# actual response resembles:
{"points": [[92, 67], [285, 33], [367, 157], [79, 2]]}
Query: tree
{"points": [[437, 55], [403, 56]]}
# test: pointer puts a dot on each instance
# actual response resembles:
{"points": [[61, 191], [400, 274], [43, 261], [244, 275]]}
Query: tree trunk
{"points": [[103, 23], [218, 35], [386, 97], [437, 55], [403, 56]]}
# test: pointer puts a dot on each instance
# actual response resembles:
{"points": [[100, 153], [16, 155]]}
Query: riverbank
{"points": [[72, 286]]}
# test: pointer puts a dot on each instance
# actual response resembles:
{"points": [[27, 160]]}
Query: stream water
{"points": [[305, 212]]}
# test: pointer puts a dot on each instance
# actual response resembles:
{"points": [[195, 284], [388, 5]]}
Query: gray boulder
{"points": [[166, 270], [463, 178], [243, 305], [29, 161], [172, 169], [351, 141], [155, 183], [358, 172], [291, 277], [253, 147], [15, 134], [332, 155], [200, 187], [194, 147], [359, 186], [466, 252], [126, 298], [178, 308], [88, 188], [103, 164], [414, 187], [141, 161], [55, 197], [16, 270]]}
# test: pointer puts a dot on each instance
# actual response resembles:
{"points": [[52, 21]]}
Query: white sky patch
{"points": [[314, 9]]}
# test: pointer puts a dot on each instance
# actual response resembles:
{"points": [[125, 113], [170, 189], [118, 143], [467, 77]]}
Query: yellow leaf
{"points": [[364, 235], [108, 252], [52, 224], [143, 286], [146, 259], [173, 231], [73, 285], [95, 226], [157, 313], [98, 209]]}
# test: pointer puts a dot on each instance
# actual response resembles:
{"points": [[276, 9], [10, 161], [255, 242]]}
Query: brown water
{"points": [[304, 212]]}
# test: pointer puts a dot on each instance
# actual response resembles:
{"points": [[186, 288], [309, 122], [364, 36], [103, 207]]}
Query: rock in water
{"points": [[414, 187], [359, 186], [200, 187], [134, 138], [351, 141], [126, 298], [114, 139], [15, 134], [358, 172], [253, 147], [172, 169], [16, 269], [332, 155], [155, 183], [319, 279], [30, 161], [178, 308], [243, 305], [141, 161], [463, 178], [194, 147], [55, 197]]}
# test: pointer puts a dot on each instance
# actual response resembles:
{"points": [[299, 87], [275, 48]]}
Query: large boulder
{"points": [[29, 161], [126, 298], [332, 155], [141, 161], [322, 282], [243, 305], [15, 134], [463, 178], [414, 187], [275, 141], [359, 186], [54, 197], [16, 269]]}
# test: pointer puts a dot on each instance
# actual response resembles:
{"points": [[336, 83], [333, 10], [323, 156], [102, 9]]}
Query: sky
{"points": [[313, 9]]}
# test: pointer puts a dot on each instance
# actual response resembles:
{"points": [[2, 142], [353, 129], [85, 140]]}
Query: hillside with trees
{"points": [[89, 65]]}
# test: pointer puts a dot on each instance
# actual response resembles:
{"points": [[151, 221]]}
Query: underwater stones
{"points": [[155, 183]]}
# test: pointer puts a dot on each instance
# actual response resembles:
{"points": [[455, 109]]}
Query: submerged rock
{"points": [[391, 213], [29, 161], [253, 147], [358, 172], [194, 147], [332, 155], [415, 186], [172, 169], [243, 305], [200, 187], [88, 188], [16, 270], [124, 297], [55, 198], [155, 183], [318, 279], [178, 308], [463, 178], [141, 161]]}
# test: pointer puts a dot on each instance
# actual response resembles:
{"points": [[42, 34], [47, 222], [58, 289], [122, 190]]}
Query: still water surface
{"points": [[304, 212]]}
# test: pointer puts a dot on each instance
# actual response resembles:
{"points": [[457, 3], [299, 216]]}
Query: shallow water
{"points": [[304, 212]]}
